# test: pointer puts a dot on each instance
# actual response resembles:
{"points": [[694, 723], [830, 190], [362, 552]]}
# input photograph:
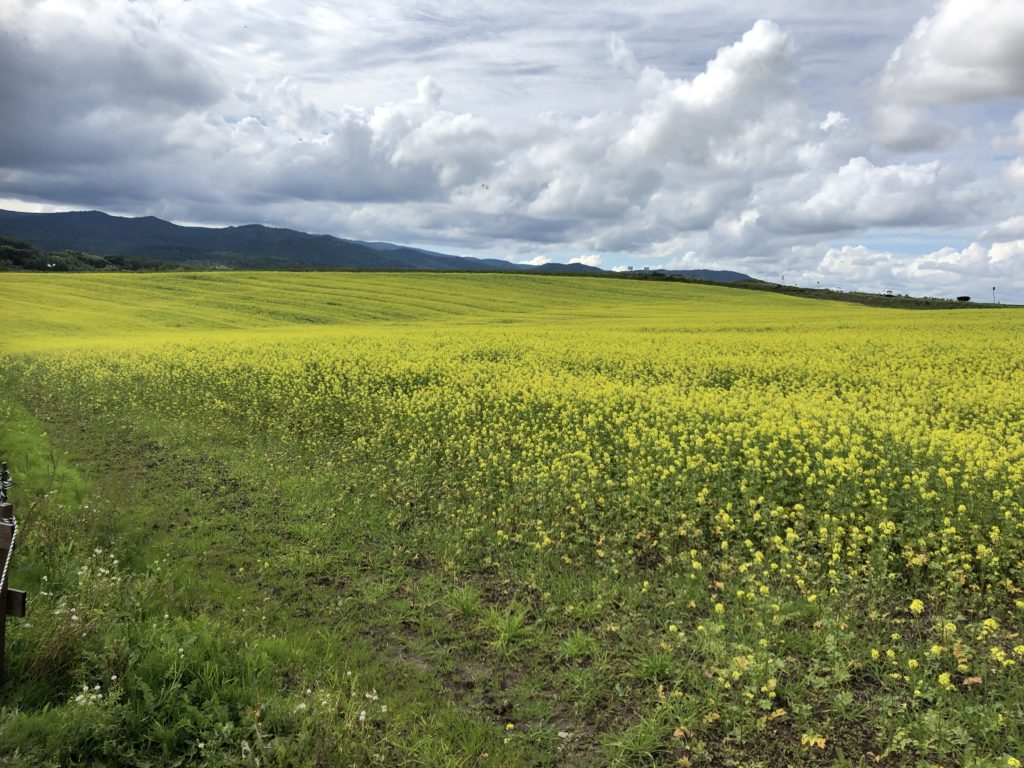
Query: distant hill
{"points": [[705, 275], [252, 246], [249, 246], [711, 275]]}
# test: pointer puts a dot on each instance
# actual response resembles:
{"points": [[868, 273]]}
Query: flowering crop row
{"points": [[811, 457]]}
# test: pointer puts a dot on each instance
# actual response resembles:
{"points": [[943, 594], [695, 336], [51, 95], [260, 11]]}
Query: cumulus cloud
{"points": [[1013, 137], [857, 266], [967, 51], [1009, 229], [1014, 172], [861, 194], [685, 120], [973, 269], [976, 259], [591, 260], [911, 129], [834, 120], [537, 261], [689, 260]]}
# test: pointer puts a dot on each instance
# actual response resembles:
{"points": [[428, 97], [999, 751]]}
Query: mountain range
{"points": [[254, 246]]}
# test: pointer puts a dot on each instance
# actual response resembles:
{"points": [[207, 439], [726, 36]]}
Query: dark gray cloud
{"points": [[76, 99]]}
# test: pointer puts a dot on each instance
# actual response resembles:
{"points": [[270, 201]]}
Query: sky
{"points": [[852, 144]]}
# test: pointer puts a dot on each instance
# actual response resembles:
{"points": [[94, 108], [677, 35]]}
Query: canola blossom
{"points": [[773, 460]]}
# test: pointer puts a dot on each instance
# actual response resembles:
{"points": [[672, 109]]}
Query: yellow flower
{"points": [[812, 740], [916, 606], [719, 608]]}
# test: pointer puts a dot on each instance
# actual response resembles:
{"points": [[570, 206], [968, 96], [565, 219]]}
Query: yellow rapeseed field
{"points": [[817, 505]]}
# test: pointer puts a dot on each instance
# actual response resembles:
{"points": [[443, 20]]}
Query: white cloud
{"points": [[29, 206], [537, 261], [1014, 172], [911, 129], [861, 194], [591, 260], [1007, 254], [1014, 139], [973, 270], [689, 260], [621, 57], [833, 120], [1009, 229], [968, 50], [429, 92], [858, 265], [686, 120]]}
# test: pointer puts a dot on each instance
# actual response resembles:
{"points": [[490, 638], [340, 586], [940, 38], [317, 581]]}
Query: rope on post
{"points": [[12, 601], [7, 509], [13, 522]]}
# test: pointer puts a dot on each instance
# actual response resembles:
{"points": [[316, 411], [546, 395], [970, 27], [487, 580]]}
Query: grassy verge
{"points": [[156, 637]]}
